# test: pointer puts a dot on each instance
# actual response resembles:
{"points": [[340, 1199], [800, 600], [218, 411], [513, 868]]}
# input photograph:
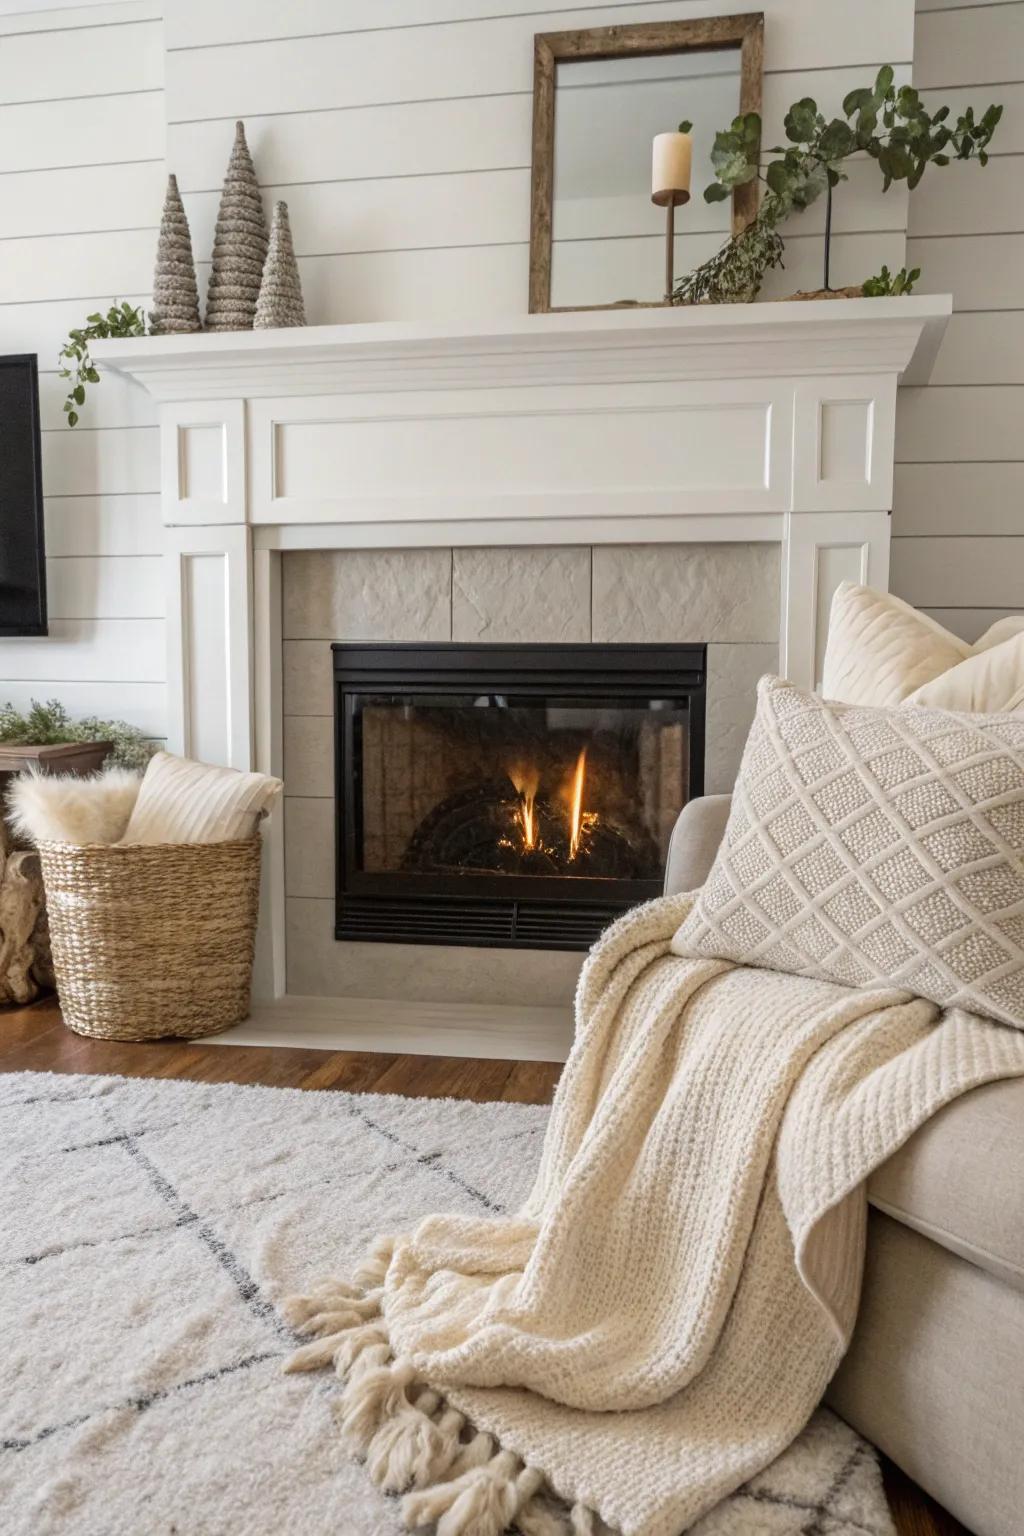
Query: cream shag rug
{"points": [[149, 1228]]}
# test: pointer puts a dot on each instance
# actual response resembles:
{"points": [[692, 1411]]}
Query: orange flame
{"points": [[576, 806], [526, 782]]}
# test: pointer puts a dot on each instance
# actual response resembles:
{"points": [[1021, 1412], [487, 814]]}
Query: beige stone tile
{"points": [[733, 673], [308, 677], [366, 594], [319, 966], [686, 592], [309, 847], [309, 755], [520, 595]]}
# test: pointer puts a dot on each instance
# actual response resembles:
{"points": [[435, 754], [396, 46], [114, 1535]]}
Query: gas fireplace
{"points": [[509, 795]]}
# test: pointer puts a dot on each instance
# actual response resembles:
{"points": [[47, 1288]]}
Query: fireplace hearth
{"points": [[509, 795]]}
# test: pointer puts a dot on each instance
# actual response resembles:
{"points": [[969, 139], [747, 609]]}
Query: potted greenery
{"points": [[46, 737], [889, 124]]}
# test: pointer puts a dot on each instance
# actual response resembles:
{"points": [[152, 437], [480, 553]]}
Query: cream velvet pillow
{"points": [[874, 847], [882, 651], [181, 801]]}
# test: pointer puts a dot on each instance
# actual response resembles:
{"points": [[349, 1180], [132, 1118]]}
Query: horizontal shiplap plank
{"points": [[969, 199], [109, 525], [923, 6], [82, 199], [116, 401], [966, 572], [803, 31], [140, 704], [958, 498], [88, 650], [969, 623], [420, 138], [974, 45], [493, 208], [982, 349], [52, 65], [46, 266], [107, 130], [105, 587], [481, 57], [78, 18], [957, 425], [101, 463], [980, 271]]}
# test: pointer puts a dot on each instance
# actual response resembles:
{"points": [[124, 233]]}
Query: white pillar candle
{"points": [[670, 166]]}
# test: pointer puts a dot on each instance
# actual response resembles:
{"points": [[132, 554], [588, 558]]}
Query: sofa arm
{"points": [[695, 839]]}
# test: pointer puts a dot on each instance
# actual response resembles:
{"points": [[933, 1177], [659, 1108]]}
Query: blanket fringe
{"points": [[455, 1479]]}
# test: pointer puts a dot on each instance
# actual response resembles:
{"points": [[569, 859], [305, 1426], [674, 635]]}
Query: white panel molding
{"points": [[821, 549], [208, 587], [843, 445], [202, 461], [269, 975]]}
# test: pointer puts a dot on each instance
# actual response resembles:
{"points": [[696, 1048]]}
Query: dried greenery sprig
{"points": [[75, 362]]}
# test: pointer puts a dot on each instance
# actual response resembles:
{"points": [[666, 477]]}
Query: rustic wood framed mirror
{"points": [[599, 96]]}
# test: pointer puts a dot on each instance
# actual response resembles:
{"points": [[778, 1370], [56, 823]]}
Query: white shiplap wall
{"points": [[958, 520], [399, 133], [82, 140]]}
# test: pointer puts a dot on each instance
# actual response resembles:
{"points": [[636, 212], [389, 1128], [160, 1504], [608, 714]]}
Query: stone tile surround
{"points": [[724, 594]]}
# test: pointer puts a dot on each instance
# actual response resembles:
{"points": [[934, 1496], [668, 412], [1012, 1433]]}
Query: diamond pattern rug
{"points": [[149, 1229]]}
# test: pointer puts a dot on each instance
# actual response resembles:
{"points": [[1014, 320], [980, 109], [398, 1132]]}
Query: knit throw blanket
{"points": [[659, 1321]]}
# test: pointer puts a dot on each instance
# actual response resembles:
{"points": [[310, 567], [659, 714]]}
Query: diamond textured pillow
{"points": [[874, 847]]}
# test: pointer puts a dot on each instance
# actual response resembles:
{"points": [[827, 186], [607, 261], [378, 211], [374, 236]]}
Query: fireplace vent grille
{"points": [[503, 924]]}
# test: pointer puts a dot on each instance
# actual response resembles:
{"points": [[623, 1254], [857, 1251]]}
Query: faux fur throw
{"points": [[65, 808], [659, 1321]]}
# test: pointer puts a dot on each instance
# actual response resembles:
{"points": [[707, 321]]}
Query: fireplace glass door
{"points": [[488, 802]]}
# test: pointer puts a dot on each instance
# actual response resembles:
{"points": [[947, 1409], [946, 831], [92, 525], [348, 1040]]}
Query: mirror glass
{"points": [[608, 238]]}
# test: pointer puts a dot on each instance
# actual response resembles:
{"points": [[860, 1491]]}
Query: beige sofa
{"points": [[935, 1373]]}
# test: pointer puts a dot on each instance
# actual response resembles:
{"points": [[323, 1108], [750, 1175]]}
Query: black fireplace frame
{"points": [[546, 912]]}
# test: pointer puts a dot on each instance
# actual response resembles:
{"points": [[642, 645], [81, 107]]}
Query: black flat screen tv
{"points": [[22, 552]]}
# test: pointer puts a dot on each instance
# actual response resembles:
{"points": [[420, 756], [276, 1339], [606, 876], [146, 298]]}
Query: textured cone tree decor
{"points": [[175, 308], [239, 245], [280, 298]]}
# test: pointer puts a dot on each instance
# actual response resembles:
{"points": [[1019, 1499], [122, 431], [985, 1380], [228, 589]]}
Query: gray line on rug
{"points": [[426, 1159], [801, 1505], [141, 1402], [825, 1510]]}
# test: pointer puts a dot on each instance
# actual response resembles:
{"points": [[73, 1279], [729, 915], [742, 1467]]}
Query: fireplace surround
{"points": [[756, 424], [510, 796]]}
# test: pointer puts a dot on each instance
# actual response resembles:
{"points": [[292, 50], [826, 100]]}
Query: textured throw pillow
{"points": [[874, 847], [185, 802], [880, 649]]}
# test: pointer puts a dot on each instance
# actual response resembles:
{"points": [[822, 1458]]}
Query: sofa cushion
{"points": [[960, 1180], [874, 848]]}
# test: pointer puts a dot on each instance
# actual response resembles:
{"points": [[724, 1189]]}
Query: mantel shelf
{"points": [[790, 339]]}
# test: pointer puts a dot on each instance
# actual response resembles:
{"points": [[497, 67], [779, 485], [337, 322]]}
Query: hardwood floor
{"points": [[34, 1040]]}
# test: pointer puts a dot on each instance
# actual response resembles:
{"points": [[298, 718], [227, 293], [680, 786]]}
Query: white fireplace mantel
{"points": [[766, 422]]}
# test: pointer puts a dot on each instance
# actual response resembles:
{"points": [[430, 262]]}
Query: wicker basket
{"points": [[150, 941]]}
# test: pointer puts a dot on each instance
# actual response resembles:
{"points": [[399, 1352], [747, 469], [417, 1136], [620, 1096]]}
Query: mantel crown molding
{"points": [[790, 339]]}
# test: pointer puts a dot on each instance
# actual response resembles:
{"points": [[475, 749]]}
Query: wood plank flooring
{"points": [[34, 1040]]}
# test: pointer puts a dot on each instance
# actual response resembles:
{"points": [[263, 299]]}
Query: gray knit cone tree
{"points": [[280, 300], [175, 307], [239, 245]]}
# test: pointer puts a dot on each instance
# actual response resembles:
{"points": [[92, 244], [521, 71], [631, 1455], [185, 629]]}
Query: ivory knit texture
{"points": [[661, 1318]]}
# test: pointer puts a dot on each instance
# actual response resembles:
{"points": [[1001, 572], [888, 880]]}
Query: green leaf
{"points": [[801, 121], [685, 126], [714, 192], [854, 100], [78, 394], [778, 177], [883, 80], [73, 419], [837, 141]]}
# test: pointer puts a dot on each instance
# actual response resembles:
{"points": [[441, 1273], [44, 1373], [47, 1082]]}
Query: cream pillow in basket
{"points": [[186, 802], [874, 847]]}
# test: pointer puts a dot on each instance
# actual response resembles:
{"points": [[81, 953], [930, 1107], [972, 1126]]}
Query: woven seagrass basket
{"points": [[150, 941]]}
